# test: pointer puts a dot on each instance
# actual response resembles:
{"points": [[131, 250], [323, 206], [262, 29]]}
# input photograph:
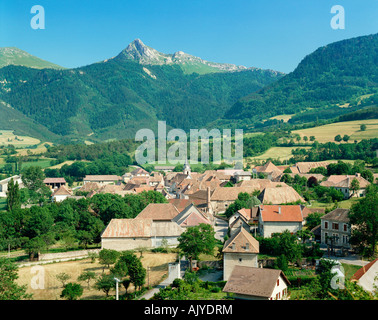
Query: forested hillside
{"points": [[340, 73], [115, 98]]}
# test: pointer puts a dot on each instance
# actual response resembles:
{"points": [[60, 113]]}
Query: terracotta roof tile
{"points": [[158, 211], [285, 213]]}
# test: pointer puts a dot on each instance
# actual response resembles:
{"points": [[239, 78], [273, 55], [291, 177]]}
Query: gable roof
{"points": [[158, 211], [54, 180], [338, 214], [190, 217], [279, 195], [251, 281], [267, 167], [260, 184], [286, 213], [344, 181], [139, 171], [237, 243], [102, 178], [181, 204], [366, 276], [229, 194], [304, 167], [62, 191], [249, 214], [126, 228]]}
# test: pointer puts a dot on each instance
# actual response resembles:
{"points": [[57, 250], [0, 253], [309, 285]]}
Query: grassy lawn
{"points": [[345, 204], [350, 270]]}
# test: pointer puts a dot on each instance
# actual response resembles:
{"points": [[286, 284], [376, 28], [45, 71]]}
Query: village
{"points": [[239, 207]]}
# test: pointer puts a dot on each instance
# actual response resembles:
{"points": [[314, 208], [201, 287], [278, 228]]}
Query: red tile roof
{"points": [[363, 270], [158, 211]]}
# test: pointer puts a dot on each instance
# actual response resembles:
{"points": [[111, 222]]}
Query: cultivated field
{"points": [[158, 263], [280, 153], [328, 132], [7, 137]]}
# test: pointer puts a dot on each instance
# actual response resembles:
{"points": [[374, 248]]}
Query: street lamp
{"points": [[117, 281]]}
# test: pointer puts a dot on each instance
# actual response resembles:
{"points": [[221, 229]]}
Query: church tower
{"points": [[187, 169]]}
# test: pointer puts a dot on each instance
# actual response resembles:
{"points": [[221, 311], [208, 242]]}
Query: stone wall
{"points": [[69, 255]]}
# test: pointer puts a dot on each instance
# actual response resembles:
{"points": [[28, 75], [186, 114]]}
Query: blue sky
{"points": [[269, 34]]}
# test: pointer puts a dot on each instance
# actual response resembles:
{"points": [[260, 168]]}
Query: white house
{"points": [[277, 219]]}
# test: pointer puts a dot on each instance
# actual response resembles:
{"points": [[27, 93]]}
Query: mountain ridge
{"points": [[16, 56]]}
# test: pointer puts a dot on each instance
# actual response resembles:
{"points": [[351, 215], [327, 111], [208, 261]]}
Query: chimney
{"points": [[247, 246], [233, 246], [279, 209]]}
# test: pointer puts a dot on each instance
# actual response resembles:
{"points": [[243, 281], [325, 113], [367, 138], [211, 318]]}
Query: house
{"points": [[269, 170], [54, 183], [251, 283], [343, 183], [222, 197], [165, 168], [239, 222], [102, 179], [335, 228], [139, 172], [4, 184], [277, 219], [191, 216], [279, 195], [260, 184], [181, 204], [305, 167], [61, 194], [241, 249], [90, 186], [367, 276], [249, 214], [242, 176], [131, 234]]}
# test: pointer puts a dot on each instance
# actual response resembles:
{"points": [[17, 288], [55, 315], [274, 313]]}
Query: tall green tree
{"points": [[9, 289], [13, 196], [197, 240], [364, 216]]}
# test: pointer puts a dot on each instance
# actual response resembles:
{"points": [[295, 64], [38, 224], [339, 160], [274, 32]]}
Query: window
{"points": [[240, 259], [345, 227], [278, 282], [325, 224], [335, 226]]}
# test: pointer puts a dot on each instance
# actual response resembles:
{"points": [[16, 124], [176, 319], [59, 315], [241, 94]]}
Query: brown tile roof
{"points": [[249, 214], [304, 167], [128, 228], [139, 171], [90, 186], [102, 178], [251, 281], [158, 211], [62, 191], [111, 188], [260, 184], [275, 213], [54, 180], [238, 243], [360, 272], [279, 195], [344, 181], [338, 214], [181, 204], [229, 194], [267, 167]]}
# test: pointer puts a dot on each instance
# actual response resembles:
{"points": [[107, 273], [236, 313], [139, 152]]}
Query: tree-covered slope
{"points": [[115, 98], [322, 83]]}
